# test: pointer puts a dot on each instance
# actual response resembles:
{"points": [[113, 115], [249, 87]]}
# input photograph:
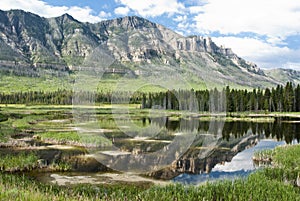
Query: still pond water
{"points": [[185, 149]]}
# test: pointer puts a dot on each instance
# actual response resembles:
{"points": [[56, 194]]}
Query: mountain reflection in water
{"points": [[241, 165], [215, 144]]}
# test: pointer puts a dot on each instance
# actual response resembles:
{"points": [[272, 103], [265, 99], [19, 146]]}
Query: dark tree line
{"points": [[278, 99], [59, 97], [67, 97]]}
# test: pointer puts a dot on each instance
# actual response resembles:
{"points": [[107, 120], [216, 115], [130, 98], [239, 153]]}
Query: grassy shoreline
{"points": [[248, 114], [277, 182], [258, 186]]}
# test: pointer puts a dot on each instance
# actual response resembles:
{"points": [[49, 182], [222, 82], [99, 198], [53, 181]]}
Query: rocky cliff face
{"points": [[63, 42]]}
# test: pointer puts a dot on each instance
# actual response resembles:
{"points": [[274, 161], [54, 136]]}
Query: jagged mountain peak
{"points": [[22, 15], [129, 22], [19, 12], [66, 18]]}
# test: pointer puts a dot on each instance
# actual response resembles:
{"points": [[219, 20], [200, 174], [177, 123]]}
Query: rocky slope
{"points": [[135, 44], [284, 75]]}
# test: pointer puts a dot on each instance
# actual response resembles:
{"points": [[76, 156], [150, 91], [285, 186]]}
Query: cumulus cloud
{"points": [[274, 18], [122, 11], [184, 27], [180, 18], [195, 9], [153, 8], [85, 14]]}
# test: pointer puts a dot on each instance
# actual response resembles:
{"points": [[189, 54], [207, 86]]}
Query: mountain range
{"points": [[134, 45]]}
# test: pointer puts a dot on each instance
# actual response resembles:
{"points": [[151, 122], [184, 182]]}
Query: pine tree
{"points": [[288, 97], [297, 98], [267, 100]]}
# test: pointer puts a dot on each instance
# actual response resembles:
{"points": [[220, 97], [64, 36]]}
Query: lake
{"points": [[165, 146]]}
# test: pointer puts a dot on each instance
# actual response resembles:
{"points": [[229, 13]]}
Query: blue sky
{"points": [[266, 32]]}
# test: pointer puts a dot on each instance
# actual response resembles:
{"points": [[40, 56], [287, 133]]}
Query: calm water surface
{"points": [[215, 149]]}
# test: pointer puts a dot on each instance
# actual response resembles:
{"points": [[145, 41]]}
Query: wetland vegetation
{"points": [[45, 139], [262, 185]]}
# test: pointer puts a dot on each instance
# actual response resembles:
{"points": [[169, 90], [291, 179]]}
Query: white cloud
{"points": [[122, 11], [195, 9], [184, 27], [276, 41], [274, 18], [180, 18], [85, 14], [180, 33], [104, 15], [153, 8], [266, 55]]}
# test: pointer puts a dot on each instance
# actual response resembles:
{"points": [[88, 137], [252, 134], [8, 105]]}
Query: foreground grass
{"points": [[266, 184], [257, 187]]}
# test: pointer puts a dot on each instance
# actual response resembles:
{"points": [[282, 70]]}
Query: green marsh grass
{"points": [[19, 162], [264, 155], [74, 138], [256, 187], [62, 137], [287, 156], [61, 167], [285, 163]]}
